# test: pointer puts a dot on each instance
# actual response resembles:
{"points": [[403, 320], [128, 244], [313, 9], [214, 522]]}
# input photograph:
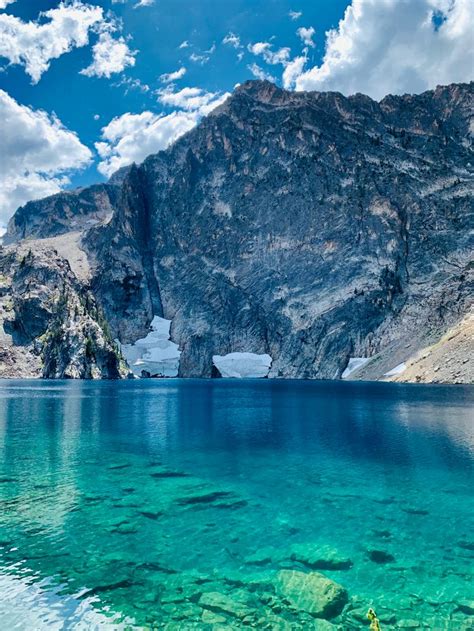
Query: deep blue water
{"points": [[107, 479]]}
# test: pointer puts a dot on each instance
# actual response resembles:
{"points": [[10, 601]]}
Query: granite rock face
{"points": [[64, 212], [51, 325], [310, 227]]}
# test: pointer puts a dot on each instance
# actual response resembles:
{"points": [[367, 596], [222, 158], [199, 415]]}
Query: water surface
{"points": [[124, 502]]}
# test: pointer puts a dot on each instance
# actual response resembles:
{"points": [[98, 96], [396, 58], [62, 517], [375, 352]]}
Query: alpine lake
{"points": [[230, 504]]}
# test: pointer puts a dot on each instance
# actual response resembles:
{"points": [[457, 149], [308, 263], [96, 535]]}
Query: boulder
{"points": [[311, 592], [318, 557], [222, 604]]}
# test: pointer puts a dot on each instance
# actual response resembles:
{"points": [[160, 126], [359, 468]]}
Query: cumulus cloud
{"points": [[280, 56], [293, 70], [184, 44], [109, 56], [37, 154], [168, 77], [34, 44], [3, 3], [306, 35], [191, 99], [144, 3], [132, 137], [396, 46], [259, 73]]}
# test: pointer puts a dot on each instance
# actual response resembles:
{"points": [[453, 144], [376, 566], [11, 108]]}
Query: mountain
{"points": [[332, 235]]}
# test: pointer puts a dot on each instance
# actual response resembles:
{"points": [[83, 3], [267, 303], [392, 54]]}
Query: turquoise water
{"points": [[176, 503]]}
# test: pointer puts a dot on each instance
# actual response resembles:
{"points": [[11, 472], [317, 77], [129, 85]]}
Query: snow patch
{"points": [[243, 365], [354, 364], [396, 371], [155, 354]]}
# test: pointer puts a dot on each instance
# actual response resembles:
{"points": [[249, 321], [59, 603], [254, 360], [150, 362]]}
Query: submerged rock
{"points": [[264, 556], [311, 592], [223, 604], [466, 607], [318, 557], [380, 556]]}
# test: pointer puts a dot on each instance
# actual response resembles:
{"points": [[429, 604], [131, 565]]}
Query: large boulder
{"points": [[311, 592]]}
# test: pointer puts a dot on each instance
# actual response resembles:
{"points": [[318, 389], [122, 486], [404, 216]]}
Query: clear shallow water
{"points": [[124, 502]]}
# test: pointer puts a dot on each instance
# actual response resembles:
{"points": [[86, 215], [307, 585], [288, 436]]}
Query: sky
{"points": [[89, 86]]}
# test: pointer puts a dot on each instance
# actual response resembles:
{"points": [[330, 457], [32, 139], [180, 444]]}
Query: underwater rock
{"points": [[150, 515], [466, 606], [380, 556], [209, 617], [275, 623], [204, 497], [466, 545], [264, 556], [313, 593], [415, 511], [169, 474], [223, 604], [319, 557], [322, 625]]}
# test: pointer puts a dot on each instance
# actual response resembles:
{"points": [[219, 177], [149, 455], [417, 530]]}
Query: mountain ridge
{"points": [[307, 226]]}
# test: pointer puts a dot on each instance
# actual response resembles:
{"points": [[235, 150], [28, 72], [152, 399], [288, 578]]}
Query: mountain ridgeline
{"points": [[309, 227]]}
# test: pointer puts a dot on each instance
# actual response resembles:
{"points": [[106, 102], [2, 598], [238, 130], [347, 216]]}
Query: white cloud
{"points": [[306, 35], [199, 59], [295, 15], [168, 77], [131, 84], [191, 99], [394, 46], [260, 73], [132, 137], [34, 44], [184, 44], [37, 154], [292, 71], [280, 56], [109, 56], [231, 39], [144, 3]]}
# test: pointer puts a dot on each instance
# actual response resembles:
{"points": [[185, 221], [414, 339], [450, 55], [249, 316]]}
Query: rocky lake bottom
{"points": [[224, 504]]}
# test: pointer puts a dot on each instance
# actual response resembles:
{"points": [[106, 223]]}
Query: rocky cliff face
{"points": [[307, 226], [51, 325]]}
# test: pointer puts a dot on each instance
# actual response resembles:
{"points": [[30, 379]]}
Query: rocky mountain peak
{"points": [[312, 229]]}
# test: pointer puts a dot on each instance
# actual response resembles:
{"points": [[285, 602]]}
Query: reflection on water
{"points": [[116, 479]]}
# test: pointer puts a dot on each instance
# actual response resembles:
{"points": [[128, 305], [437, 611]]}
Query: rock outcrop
{"points": [[51, 324], [309, 227]]}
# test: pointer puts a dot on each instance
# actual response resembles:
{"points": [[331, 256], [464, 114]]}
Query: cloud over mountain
{"points": [[396, 46], [37, 154]]}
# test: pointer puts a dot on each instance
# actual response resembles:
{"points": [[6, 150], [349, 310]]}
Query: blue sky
{"points": [[86, 86]]}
